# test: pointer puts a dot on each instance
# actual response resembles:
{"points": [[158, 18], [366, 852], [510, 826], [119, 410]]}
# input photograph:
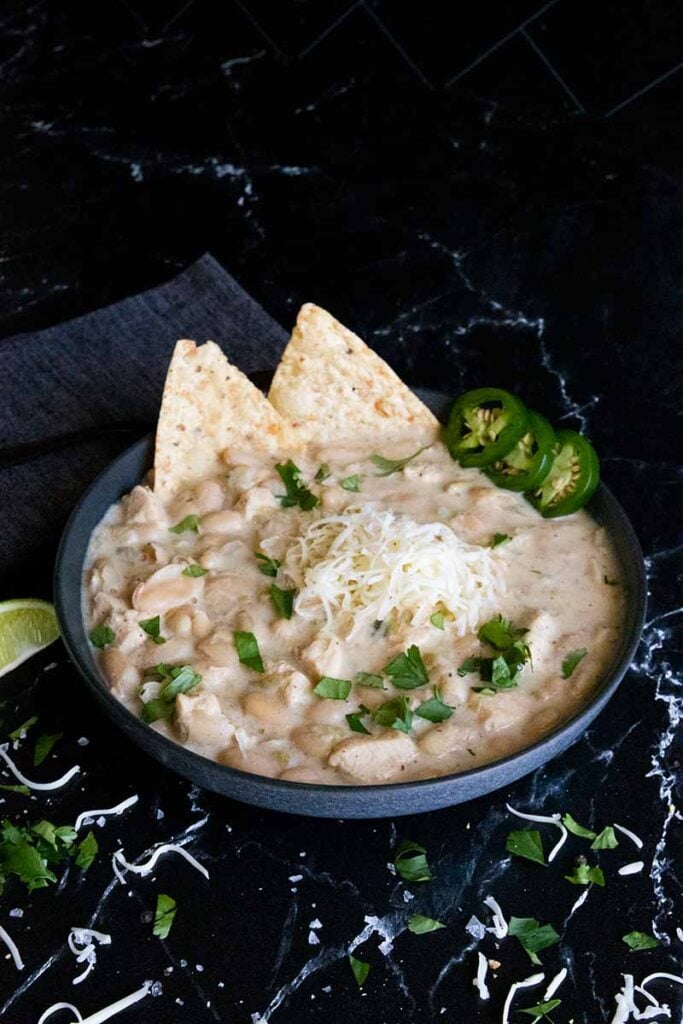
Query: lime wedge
{"points": [[26, 626]]}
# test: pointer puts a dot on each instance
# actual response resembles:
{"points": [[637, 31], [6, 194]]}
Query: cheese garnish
{"points": [[632, 869], [81, 942], [364, 565], [56, 1007], [546, 819], [13, 949], [479, 981], [499, 924], [554, 984], [535, 979], [631, 835], [36, 785], [119, 861], [90, 816]]}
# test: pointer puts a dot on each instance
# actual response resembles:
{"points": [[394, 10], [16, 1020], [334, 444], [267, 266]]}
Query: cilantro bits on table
{"points": [[410, 861], [30, 852], [164, 915]]}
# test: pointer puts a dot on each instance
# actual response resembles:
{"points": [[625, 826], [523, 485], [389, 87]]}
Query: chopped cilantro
{"points": [[584, 874], [323, 473], [44, 745], [572, 660], [410, 861], [418, 924], [297, 493], [526, 842], [269, 566], [355, 720], [22, 790], [407, 670], [194, 570], [283, 601], [247, 648], [395, 714], [542, 1009], [369, 679], [164, 915], [29, 851], [186, 524], [333, 689], [500, 633], [532, 936], [152, 628], [499, 538], [607, 840], [20, 732], [578, 830], [351, 483], [501, 671], [102, 636], [438, 620], [470, 665], [434, 709], [86, 852], [388, 466], [640, 940], [360, 969], [177, 679]]}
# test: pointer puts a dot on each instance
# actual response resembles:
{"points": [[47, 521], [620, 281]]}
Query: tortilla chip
{"points": [[209, 407], [332, 387]]}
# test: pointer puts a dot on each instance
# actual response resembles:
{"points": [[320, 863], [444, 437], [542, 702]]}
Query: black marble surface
{"points": [[498, 200]]}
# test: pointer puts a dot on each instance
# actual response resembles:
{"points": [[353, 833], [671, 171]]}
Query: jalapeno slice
{"points": [[572, 478], [484, 425], [527, 464]]}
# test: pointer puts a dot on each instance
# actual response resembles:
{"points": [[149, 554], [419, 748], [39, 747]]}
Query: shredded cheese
{"points": [[499, 924], [365, 565], [36, 785], [60, 1006], [479, 981], [107, 1012], [631, 835], [535, 979], [12, 947], [90, 816], [631, 869], [81, 942], [548, 819], [554, 985], [119, 861]]}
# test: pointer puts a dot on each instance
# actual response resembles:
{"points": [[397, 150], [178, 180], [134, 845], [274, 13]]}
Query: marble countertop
{"points": [[496, 212]]}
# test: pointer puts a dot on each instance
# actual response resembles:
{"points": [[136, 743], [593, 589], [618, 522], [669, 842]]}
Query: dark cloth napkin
{"points": [[104, 369]]}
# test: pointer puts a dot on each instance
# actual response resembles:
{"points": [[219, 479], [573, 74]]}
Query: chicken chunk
{"points": [[368, 759]]}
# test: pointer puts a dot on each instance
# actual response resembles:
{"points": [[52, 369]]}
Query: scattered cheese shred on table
{"points": [[104, 811], [56, 1007], [534, 979], [500, 925], [632, 869], [119, 861], [554, 984], [12, 947], [81, 944], [547, 819], [479, 981], [631, 835], [36, 785]]}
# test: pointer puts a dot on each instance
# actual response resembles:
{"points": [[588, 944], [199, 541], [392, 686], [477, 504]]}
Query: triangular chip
{"points": [[332, 387], [209, 407]]}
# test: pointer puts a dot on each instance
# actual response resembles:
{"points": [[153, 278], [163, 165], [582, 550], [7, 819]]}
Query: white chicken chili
{"points": [[350, 619]]}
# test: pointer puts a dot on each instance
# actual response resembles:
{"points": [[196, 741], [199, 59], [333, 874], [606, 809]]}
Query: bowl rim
{"points": [[75, 638]]}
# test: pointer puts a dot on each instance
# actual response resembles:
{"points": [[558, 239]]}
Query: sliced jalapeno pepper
{"points": [[527, 464], [485, 425], [572, 479]]}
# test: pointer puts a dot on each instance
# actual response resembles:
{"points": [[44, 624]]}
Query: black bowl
{"points": [[303, 798]]}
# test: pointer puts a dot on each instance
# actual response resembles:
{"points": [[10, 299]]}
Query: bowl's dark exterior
{"points": [[328, 801]]}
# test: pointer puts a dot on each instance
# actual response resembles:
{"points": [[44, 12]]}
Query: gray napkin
{"points": [[102, 369]]}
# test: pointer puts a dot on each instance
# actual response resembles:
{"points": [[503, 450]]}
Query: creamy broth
{"points": [[413, 543]]}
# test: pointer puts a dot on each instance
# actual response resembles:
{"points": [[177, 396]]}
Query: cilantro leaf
{"points": [[572, 660], [323, 473], [369, 679], [333, 689], [248, 652], [355, 720], [185, 525], [164, 916], [584, 874], [542, 1009], [607, 840], [269, 566], [410, 861], [500, 633], [44, 745], [395, 714], [152, 628], [434, 709], [297, 493], [469, 665], [351, 483], [407, 670], [178, 679], [526, 842], [418, 924], [101, 636], [22, 790], [360, 969], [20, 732], [578, 830], [283, 601], [640, 940], [498, 539], [24, 860], [389, 466], [86, 851], [194, 570], [438, 620], [532, 936]]}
